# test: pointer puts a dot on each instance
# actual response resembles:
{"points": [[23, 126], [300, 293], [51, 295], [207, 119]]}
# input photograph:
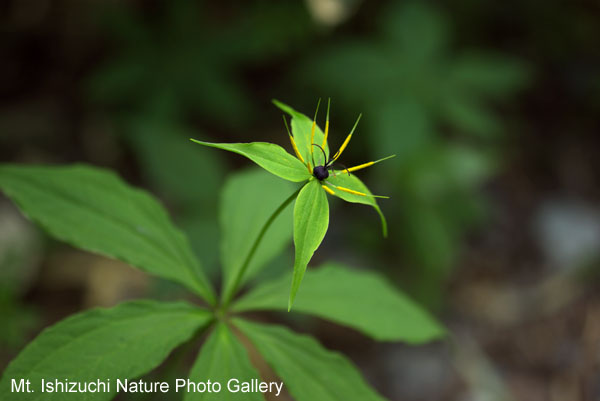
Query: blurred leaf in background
{"points": [[433, 107], [17, 318], [188, 56], [21, 248], [188, 178]]}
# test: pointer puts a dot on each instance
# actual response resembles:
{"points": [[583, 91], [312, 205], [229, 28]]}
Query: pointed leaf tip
{"points": [[269, 156]]}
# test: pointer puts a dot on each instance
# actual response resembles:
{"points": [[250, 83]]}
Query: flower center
{"points": [[320, 173]]}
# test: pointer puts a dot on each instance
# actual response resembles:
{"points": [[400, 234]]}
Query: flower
{"points": [[312, 166]]}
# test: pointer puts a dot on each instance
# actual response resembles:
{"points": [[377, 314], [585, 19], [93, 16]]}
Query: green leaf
{"points": [[311, 219], [362, 300], [95, 210], [248, 200], [269, 156], [223, 358], [123, 342], [309, 371], [351, 181], [302, 131]]}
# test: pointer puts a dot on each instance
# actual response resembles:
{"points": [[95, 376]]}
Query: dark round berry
{"points": [[320, 173]]}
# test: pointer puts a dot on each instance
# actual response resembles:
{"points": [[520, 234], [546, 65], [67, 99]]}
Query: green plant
{"points": [[93, 209], [311, 211]]}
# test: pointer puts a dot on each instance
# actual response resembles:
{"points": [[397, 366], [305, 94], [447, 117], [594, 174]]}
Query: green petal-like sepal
{"points": [[350, 181], [311, 219], [269, 156]]}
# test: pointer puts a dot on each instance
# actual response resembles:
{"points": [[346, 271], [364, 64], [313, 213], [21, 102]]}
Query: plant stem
{"points": [[259, 237]]}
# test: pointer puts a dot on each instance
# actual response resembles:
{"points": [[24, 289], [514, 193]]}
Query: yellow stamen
{"points": [[328, 190], [339, 152], [298, 155], [360, 166], [365, 165], [353, 192], [326, 125], [312, 132]]}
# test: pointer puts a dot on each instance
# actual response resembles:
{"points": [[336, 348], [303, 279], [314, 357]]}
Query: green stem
{"points": [[261, 234]]}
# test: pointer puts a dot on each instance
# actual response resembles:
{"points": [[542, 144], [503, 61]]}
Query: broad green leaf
{"points": [[362, 300], [95, 210], [269, 156], [309, 371], [311, 219], [248, 200], [351, 181], [302, 131], [221, 359], [123, 342]]}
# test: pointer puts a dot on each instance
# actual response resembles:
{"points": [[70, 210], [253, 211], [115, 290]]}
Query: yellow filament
{"points": [[360, 166], [365, 165], [351, 191], [339, 152], [328, 190], [326, 134], [298, 155]]}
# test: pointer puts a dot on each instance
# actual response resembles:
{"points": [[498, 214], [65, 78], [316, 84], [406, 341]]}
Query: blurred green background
{"points": [[492, 108]]}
